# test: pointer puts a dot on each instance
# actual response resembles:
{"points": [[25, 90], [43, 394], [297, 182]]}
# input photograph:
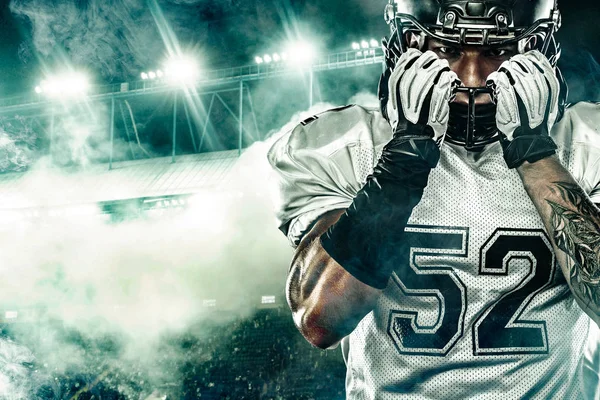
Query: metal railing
{"points": [[348, 59]]}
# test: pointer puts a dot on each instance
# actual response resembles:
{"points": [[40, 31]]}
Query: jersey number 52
{"points": [[499, 328]]}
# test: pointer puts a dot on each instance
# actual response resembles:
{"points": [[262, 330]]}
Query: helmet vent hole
{"points": [[475, 9]]}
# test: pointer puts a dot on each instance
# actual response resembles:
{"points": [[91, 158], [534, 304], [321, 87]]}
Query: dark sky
{"points": [[10, 40], [116, 39]]}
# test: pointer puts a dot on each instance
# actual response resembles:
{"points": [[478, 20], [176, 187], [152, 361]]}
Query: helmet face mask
{"points": [[490, 23]]}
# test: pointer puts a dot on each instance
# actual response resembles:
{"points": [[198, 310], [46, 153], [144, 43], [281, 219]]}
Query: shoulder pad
{"points": [[322, 163], [580, 124], [578, 138], [339, 127], [316, 117]]}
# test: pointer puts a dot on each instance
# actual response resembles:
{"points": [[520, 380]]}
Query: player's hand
{"points": [[420, 89], [526, 92], [415, 98]]}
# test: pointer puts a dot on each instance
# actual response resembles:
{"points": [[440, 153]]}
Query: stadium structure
{"points": [[185, 163], [152, 147]]}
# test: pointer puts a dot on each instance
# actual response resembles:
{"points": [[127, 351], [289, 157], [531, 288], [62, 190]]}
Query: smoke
{"points": [[14, 378], [582, 73], [17, 144], [101, 298], [114, 39], [365, 99], [102, 36], [79, 134]]}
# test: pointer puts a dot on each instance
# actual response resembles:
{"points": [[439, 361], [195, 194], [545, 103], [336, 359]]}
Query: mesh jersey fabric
{"points": [[478, 308]]}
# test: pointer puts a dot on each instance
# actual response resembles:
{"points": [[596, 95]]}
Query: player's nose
{"points": [[472, 72]]}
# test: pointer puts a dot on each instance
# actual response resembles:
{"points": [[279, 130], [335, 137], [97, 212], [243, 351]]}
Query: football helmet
{"points": [[479, 22]]}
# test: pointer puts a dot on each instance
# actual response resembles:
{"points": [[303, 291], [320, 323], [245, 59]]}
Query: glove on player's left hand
{"points": [[526, 92]]}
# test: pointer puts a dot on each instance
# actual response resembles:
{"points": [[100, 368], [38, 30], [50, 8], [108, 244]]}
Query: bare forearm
{"points": [[573, 222], [326, 301]]}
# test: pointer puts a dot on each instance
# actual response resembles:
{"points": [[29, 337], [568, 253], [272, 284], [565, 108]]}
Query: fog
{"points": [[92, 294]]}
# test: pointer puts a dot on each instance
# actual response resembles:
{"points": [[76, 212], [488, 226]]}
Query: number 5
{"points": [[423, 283]]}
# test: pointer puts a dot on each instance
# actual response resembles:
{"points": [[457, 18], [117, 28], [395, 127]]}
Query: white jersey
{"points": [[480, 308]]}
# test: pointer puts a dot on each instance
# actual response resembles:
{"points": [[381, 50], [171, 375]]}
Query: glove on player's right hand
{"points": [[420, 89]]}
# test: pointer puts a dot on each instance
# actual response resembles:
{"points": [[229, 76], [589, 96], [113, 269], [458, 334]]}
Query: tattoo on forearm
{"points": [[577, 233]]}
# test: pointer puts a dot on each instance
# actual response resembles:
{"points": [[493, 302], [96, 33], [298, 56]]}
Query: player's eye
{"points": [[447, 51], [499, 53]]}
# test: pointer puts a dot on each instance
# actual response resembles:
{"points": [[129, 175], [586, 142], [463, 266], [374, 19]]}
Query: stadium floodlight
{"points": [[301, 53], [284, 56], [267, 300], [267, 58], [374, 43], [66, 85], [49, 87], [258, 60], [276, 57], [75, 84], [38, 89], [11, 314], [364, 44], [355, 46], [209, 303], [182, 70], [151, 75]]}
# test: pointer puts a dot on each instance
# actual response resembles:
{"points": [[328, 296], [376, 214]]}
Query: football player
{"points": [[450, 241]]}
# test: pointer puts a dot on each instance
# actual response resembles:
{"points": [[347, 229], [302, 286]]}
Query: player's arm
{"points": [[347, 259], [326, 301], [573, 222], [526, 92]]}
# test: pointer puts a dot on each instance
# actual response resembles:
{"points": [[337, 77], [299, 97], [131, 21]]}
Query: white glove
{"points": [[531, 79], [416, 77]]}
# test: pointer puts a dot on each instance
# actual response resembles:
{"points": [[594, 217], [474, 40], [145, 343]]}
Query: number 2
{"points": [[499, 329]]}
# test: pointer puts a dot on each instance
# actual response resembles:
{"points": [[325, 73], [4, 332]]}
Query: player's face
{"points": [[472, 64]]}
